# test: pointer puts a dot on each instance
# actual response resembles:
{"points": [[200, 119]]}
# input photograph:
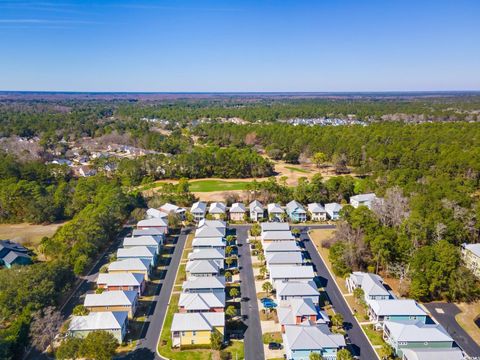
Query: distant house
{"points": [[281, 246], [202, 268], [317, 212], [117, 300], [395, 310], [216, 242], [86, 171], [145, 240], [12, 253], [201, 302], [256, 210], [217, 210], [333, 210], [134, 266], [174, 209], [206, 284], [198, 211], [138, 252], [296, 212], [300, 311], [275, 212], [112, 322], [196, 328], [433, 354], [156, 223], [121, 281], [371, 284], [362, 200], [286, 291], [300, 341], [471, 257], [215, 255], [415, 335], [273, 236], [291, 273], [155, 214], [284, 259], [237, 212]]}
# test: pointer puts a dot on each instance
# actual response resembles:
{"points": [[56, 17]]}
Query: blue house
{"points": [[296, 212], [395, 310], [302, 340], [13, 254]]}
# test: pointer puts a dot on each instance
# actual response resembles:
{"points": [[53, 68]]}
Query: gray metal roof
{"points": [[284, 258], [275, 226], [417, 331], [295, 205], [282, 246], [292, 272], [396, 307], [202, 267], [278, 235], [204, 282], [111, 298], [120, 279], [197, 321], [107, 320], [433, 354], [201, 301], [296, 288], [207, 254], [300, 337]]}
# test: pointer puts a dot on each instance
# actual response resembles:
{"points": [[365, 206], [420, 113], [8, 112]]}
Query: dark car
{"points": [[274, 346]]}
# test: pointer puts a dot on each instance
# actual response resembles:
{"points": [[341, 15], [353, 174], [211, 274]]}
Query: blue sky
{"points": [[282, 45]]}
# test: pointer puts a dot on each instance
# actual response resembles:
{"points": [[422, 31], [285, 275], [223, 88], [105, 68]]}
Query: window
{"points": [[193, 342], [183, 333], [194, 333], [425, 343]]}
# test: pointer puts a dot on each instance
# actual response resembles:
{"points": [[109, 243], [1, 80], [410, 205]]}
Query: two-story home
{"points": [[121, 281], [317, 212], [300, 341], [202, 268], [148, 232], [201, 302], [138, 252], [362, 200], [113, 322], [274, 226], [333, 210], [207, 231], [275, 212], [204, 284], [155, 223], [471, 257], [273, 236], [217, 210], [301, 312], [371, 284], [415, 335], [284, 259], [196, 328], [281, 246], [117, 300], [291, 273], [291, 290], [152, 213], [395, 310], [134, 266], [296, 212], [198, 211], [174, 209], [433, 354], [237, 212], [152, 242], [216, 242], [256, 210], [215, 255]]}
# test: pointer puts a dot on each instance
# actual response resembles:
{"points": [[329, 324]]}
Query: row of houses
{"points": [[119, 289], [405, 325], [201, 306], [304, 325]]}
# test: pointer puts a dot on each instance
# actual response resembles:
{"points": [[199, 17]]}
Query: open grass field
{"points": [[27, 234], [298, 169], [469, 318], [217, 185]]}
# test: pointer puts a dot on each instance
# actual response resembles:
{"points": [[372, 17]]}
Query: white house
{"points": [[275, 212], [174, 209], [362, 199], [256, 210], [371, 284], [284, 259], [286, 291], [202, 268], [272, 236], [156, 223], [216, 242], [204, 284], [291, 273], [317, 212], [281, 246], [333, 210], [198, 210], [217, 210], [216, 255], [155, 214]]}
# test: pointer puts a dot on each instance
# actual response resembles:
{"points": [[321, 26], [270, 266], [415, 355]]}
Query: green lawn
{"points": [[272, 337], [374, 336], [217, 185], [303, 171]]}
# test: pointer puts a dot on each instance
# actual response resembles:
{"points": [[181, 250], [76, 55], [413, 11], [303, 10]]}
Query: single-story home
{"points": [[256, 210], [296, 212], [300, 341], [317, 212], [284, 258], [201, 302], [174, 209], [121, 281], [117, 300], [138, 252], [291, 273], [371, 284], [301, 312], [204, 284], [433, 354], [333, 210], [217, 210], [196, 328], [415, 334], [155, 214], [134, 266], [216, 255], [157, 223], [145, 240], [113, 322], [275, 212], [362, 200], [202, 268], [216, 242], [12, 253], [237, 212], [272, 236], [281, 246], [198, 210], [395, 310], [274, 226], [286, 291]]}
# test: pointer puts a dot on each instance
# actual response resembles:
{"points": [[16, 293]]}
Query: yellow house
{"points": [[196, 328], [117, 300], [133, 265]]}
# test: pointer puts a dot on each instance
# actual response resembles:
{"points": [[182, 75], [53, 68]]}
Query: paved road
{"points": [[447, 320], [147, 347], [360, 344], [253, 342]]}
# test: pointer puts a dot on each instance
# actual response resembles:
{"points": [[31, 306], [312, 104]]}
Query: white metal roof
{"points": [[197, 321], [130, 265], [201, 301], [120, 279], [275, 226], [107, 320], [417, 331], [396, 307], [292, 272], [111, 298]]}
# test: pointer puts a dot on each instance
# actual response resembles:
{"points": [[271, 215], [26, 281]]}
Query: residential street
{"points": [[360, 344], [445, 313], [253, 335], [147, 347]]}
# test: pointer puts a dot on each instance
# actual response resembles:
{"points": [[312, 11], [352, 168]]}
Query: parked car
{"points": [[274, 346]]}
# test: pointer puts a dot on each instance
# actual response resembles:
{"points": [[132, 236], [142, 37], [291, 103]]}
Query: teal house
{"points": [[296, 211], [395, 310], [12, 254]]}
